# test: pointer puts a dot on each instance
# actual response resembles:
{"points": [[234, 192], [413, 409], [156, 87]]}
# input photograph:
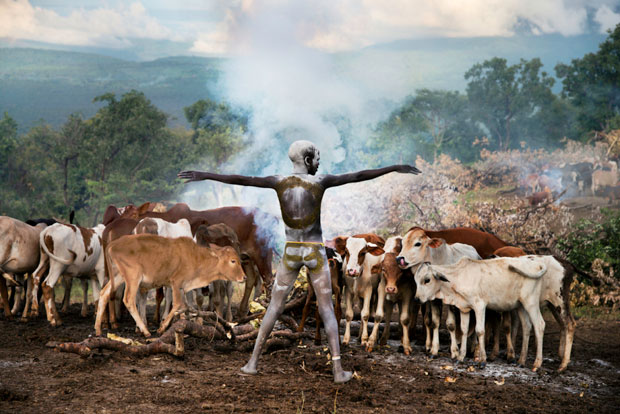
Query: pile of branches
{"points": [[239, 336]]}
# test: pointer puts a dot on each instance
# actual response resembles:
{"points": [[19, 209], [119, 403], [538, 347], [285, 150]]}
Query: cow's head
{"points": [[355, 252], [415, 247], [228, 263], [428, 282], [339, 245], [390, 272]]}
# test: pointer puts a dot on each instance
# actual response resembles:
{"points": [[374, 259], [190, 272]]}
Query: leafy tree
{"points": [[8, 144], [125, 150], [592, 84], [429, 123], [210, 115], [503, 97]]}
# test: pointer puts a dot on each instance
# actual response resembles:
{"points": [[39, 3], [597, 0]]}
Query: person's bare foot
{"points": [[249, 369]]}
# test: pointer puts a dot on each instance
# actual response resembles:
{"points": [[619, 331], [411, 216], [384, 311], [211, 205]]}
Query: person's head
{"points": [[304, 156]]}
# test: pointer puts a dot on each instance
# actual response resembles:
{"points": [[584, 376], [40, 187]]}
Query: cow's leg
{"points": [[321, 280], [104, 301], [526, 326], [168, 295], [415, 310], [507, 324], [515, 319], [67, 283], [427, 326], [29, 287], [17, 301], [532, 308], [479, 311], [317, 323], [132, 288], [365, 314], [56, 269], [84, 312], [37, 276], [159, 296], [5, 298], [436, 320], [404, 308], [348, 299], [451, 325], [465, 329], [379, 313], [495, 319], [388, 307], [569, 321], [306, 310], [141, 305], [285, 279], [250, 281], [229, 295]]}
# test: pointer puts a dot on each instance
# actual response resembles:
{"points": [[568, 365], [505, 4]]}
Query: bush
{"points": [[591, 241]]}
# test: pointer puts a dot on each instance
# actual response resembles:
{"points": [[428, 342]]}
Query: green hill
{"points": [[50, 85]]}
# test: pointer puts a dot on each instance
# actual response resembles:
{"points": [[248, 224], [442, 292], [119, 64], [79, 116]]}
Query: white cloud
{"points": [[217, 26], [103, 26], [606, 18]]}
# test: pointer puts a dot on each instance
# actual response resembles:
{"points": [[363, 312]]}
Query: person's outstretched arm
{"points": [[263, 182], [336, 180]]}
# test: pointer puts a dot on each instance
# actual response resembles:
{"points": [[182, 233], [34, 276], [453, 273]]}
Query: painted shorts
{"points": [[309, 254]]}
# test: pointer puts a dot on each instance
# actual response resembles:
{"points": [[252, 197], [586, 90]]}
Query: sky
{"points": [[217, 27]]}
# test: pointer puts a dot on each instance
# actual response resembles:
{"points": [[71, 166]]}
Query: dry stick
{"points": [[86, 347]]}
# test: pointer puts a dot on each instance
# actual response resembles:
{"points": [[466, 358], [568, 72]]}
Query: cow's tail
{"points": [[52, 255], [529, 275]]}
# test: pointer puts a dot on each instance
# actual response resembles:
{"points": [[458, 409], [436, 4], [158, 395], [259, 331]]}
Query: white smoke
{"points": [[292, 92]]}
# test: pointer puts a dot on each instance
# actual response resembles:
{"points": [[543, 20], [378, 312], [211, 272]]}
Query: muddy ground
{"points": [[36, 379]]}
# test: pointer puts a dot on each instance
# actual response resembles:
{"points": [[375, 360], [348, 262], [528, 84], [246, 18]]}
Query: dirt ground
{"points": [[36, 379]]}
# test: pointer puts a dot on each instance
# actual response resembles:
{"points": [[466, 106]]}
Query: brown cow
{"points": [[396, 286], [252, 226], [222, 235], [484, 243], [159, 261]]}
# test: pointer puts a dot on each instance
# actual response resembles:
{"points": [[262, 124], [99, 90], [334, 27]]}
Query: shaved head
{"points": [[304, 155]]}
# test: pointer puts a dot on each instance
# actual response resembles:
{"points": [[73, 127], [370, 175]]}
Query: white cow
{"points": [[19, 254], [69, 250], [361, 253], [417, 248], [501, 284]]}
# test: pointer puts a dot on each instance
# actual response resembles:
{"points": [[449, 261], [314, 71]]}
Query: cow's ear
{"points": [[340, 242], [399, 245], [440, 277], [435, 243], [376, 269]]}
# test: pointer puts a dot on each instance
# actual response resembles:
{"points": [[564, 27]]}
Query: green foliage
{"points": [[508, 99], [591, 240], [429, 123], [592, 84]]}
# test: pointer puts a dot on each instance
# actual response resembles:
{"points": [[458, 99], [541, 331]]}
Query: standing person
{"points": [[300, 195]]}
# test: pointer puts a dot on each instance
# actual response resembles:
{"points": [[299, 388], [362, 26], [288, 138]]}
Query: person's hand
{"points": [[189, 176], [409, 169]]}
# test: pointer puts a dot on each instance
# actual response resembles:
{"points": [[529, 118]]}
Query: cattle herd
{"points": [[183, 253]]}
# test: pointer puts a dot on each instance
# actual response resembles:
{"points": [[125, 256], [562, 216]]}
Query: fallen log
{"points": [[86, 347]]}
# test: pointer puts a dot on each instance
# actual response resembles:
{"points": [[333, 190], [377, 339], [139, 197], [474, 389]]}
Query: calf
{"points": [[396, 286], [500, 284], [69, 250], [222, 235], [361, 252], [154, 261], [162, 228], [417, 248]]}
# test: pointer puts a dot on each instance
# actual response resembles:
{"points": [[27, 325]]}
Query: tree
{"points": [[502, 97], [427, 124], [125, 150], [592, 84]]}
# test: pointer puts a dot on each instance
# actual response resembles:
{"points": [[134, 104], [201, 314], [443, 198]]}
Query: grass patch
{"points": [[599, 313]]}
